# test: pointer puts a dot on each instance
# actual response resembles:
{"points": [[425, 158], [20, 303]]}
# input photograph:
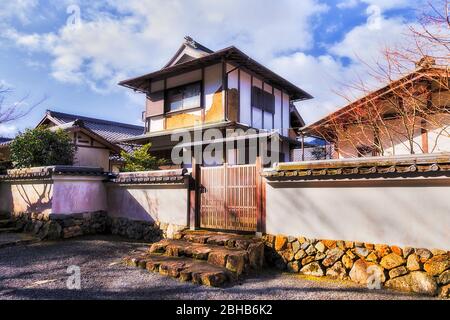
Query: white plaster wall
{"points": [[19, 197], [167, 204], [157, 124], [184, 78], [268, 121], [257, 118], [405, 213], [277, 117], [92, 157], [286, 123], [78, 194], [213, 81], [245, 112]]}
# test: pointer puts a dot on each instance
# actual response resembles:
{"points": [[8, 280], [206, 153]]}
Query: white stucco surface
{"points": [[73, 194], [168, 204], [26, 197], [405, 213]]}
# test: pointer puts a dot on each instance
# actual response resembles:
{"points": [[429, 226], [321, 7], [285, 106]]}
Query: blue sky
{"points": [[74, 52]]}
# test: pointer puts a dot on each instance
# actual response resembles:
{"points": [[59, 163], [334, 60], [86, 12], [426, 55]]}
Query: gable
{"points": [[189, 50], [48, 121]]}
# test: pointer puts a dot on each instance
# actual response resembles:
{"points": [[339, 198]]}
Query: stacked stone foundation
{"points": [[55, 226], [419, 270]]}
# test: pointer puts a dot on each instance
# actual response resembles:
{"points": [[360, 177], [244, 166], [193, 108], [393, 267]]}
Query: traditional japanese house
{"points": [[200, 89]]}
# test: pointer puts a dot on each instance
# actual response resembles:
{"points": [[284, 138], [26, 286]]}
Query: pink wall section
{"points": [[78, 195]]}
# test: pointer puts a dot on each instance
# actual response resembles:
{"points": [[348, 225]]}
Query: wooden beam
{"points": [[203, 96], [260, 198], [239, 96], [194, 196], [225, 88], [303, 147], [424, 134]]}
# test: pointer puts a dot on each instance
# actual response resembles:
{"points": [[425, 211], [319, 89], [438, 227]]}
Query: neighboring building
{"points": [[224, 89], [97, 141], [409, 116]]}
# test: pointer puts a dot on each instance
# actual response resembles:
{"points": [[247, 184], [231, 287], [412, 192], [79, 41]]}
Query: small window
{"points": [[263, 100], [257, 97], [269, 102], [184, 97]]}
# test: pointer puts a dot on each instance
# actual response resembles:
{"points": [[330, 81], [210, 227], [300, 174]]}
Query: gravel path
{"points": [[38, 271]]}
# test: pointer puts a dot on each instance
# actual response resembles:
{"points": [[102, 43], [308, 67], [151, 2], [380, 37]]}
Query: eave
{"points": [[231, 55], [320, 125]]}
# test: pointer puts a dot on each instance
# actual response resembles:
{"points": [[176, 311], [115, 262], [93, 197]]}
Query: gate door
{"points": [[228, 199]]}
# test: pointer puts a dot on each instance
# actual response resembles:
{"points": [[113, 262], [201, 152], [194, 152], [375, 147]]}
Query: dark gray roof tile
{"points": [[109, 130]]}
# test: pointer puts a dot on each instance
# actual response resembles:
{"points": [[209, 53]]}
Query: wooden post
{"points": [[303, 146], [424, 134], [225, 196], [260, 198], [194, 196]]}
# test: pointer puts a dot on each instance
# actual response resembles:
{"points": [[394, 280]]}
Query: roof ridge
{"points": [[96, 120]]}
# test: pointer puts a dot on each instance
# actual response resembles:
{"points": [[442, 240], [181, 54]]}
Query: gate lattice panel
{"points": [[229, 197]]}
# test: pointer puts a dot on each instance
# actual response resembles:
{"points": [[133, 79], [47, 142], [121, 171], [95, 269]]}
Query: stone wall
{"points": [[67, 201], [406, 269], [54, 227]]}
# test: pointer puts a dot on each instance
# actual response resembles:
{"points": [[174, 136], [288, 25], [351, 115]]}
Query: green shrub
{"points": [[42, 147], [141, 160]]}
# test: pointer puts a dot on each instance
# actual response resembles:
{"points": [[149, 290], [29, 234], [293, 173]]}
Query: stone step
{"points": [[220, 239], [182, 268], [233, 259]]}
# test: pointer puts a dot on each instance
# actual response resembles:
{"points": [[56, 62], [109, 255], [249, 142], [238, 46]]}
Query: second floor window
{"points": [[263, 100], [184, 97]]}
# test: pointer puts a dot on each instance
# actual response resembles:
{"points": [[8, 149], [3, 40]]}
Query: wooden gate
{"points": [[230, 197]]}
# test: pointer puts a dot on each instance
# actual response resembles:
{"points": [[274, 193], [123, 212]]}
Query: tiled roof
{"points": [[347, 168], [5, 141], [153, 177], [109, 130], [232, 55]]}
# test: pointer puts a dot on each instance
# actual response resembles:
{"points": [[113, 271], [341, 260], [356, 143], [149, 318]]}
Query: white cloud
{"points": [[347, 4], [142, 35], [382, 4], [8, 130], [321, 77], [390, 4], [105, 49], [17, 9], [325, 75], [365, 41]]}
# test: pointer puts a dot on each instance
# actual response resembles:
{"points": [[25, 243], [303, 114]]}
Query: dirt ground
{"points": [[40, 271]]}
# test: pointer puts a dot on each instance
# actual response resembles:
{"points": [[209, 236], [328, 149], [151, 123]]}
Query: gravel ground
{"points": [[39, 271]]}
